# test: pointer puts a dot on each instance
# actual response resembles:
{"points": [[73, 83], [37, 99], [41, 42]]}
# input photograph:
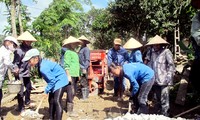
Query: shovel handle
{"points": [[39, 104], [129, 107]]}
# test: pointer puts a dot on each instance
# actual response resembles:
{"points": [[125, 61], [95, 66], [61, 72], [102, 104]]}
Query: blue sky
{"points": [[36, 8]]}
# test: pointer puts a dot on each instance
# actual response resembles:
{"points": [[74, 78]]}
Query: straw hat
{"points": [[157, 40], [117, 41], [26, 36], [132, 44], [70, 40], [84, 39]]}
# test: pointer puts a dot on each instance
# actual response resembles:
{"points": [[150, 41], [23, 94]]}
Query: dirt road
{"points": [[95, 108]]}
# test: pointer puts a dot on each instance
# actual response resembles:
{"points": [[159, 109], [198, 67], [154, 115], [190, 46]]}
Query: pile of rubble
{"points": [[129, 116]]}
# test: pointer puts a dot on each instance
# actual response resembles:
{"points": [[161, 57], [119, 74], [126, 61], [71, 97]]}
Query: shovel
{"points": [[32, 115], [129, 107]]}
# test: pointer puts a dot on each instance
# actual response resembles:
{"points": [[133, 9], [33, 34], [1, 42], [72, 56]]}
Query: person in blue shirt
{"points": [[56, 79], [117, 55], [141, 80], [84, 59], [134, 46]]}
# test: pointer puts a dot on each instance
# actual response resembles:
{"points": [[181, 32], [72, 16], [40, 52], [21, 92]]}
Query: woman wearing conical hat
{"points": [[160, 59], [26, 40], [72, 68], [134, 46]]}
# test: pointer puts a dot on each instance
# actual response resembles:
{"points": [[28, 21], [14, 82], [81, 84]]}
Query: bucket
{"points": [[109, 84], [14, 88], [85, 92]]}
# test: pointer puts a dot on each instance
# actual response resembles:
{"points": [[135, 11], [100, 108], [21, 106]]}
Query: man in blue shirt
{"points": [[141, 81], [84, 59], [118, 56]]}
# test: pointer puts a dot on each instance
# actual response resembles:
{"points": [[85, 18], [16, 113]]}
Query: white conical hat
{"points": [[26, 36], [132, 44], [84, 38], [157, 40], [70, 40]]}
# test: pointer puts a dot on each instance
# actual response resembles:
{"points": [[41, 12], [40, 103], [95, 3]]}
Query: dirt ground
{"points": [[95, 108]]}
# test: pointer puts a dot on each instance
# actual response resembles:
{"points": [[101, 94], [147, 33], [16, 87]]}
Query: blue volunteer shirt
{"points": [[84, 57], [135, 56], [118, 57], [54, 75], [137, 73]]}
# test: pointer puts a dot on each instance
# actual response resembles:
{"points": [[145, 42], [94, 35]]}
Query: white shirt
{"points": [[5, 61]]}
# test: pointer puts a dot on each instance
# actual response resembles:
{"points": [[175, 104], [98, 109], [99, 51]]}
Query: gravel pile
{"points": [[129, 116]]}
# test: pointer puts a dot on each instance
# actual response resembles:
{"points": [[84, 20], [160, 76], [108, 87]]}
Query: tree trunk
{"points": [[13, 15], [20, 18]]}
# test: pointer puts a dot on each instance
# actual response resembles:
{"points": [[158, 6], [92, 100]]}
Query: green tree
{"points": [[102, 31], [61, 19], [134, 18]]}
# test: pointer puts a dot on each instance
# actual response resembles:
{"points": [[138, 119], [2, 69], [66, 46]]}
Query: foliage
{"points": [[102, 31], [52, 28], [133, 18]]}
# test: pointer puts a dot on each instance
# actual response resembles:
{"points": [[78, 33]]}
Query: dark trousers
{"points": [[84, 81], [74, 85], [70, 96], [55, 106], [162, 96], [143, 95], [27, 93], [194, 75]]}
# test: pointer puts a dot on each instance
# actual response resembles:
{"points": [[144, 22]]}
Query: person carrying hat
{"points": [[55, 77], [195, 39], [133, 45], [9, 45], [72, 68], [24, 70], [160, 59], [84, 58], [118, 56]]}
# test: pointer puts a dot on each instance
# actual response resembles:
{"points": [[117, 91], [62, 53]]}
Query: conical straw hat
{"points": [[132, 44], [157, 40], [84, 38], [26, 36], [70, 40]]}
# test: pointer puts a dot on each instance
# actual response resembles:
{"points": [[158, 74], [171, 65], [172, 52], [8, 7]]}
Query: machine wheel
{"points": [[94, 88]]}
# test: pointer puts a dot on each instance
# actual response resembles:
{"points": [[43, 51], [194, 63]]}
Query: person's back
{"points": [[136, 56], [53, 73], [137, 73]]}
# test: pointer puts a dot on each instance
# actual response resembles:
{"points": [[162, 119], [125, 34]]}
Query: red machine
{"points": [[98, 71]]}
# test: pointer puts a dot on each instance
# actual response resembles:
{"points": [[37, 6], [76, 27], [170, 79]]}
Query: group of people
{"points": [[20, 69], [150, 72], [153, 73], [60, 78]]}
